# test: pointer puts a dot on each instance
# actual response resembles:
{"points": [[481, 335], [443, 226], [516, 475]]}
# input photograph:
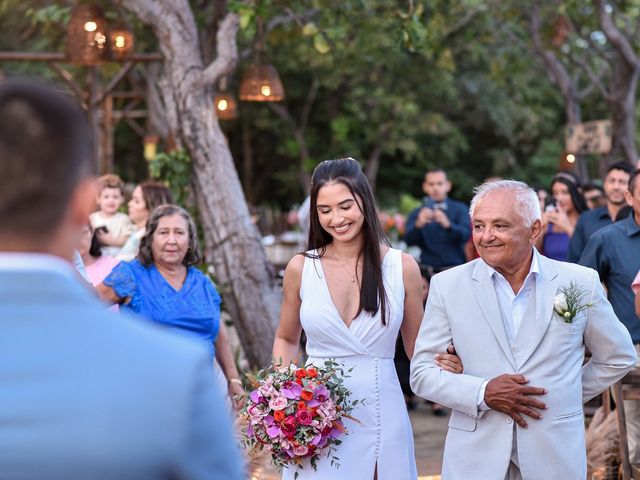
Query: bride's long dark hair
{"points": [[348, 172]]}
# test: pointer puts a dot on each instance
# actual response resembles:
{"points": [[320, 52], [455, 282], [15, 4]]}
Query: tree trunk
{"points": [[624, 83], [242, 271], [623, 116], [558, 75], [372, 166]]}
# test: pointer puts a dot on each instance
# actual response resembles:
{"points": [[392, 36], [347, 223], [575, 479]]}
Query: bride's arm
{"points": [[286, 343], [413, 313], [412, 303]]}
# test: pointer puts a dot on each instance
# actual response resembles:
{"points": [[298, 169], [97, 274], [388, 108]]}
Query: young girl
{"points": [[113, 228], [351, 294]]}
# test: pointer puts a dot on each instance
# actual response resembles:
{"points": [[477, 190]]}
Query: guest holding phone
{"points": [[561, 216], [441, 227]]}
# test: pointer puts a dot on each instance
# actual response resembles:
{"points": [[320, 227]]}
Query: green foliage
{"points": [[447, 83], [174, 168]]}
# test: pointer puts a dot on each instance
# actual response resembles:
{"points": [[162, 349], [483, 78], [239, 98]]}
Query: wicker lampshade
{"points": [[121, 39], [87, 42], [261, 83], [226, 106]]}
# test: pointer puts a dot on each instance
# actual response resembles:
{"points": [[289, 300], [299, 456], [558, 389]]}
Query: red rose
{"points": [[298, 381], [278, 415], [289, 426], [301, 373], [302, 406], [306, 395], [312, 372], [303, 417], [313, 411]]}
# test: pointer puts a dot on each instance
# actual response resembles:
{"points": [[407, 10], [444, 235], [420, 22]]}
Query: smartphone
{"points": [[551, 205]]}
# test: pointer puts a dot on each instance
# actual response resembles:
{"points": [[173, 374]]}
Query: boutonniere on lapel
{"points": [[568, 302]]}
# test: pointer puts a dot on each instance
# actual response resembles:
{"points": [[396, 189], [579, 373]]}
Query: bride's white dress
{"points": [[384, 436]]}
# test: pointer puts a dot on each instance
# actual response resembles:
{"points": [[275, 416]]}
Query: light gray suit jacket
{"points": [[463, 308], [89, 394]]}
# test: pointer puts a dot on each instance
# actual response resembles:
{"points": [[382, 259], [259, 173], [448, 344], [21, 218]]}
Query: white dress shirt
{"points": [[512, 305]]}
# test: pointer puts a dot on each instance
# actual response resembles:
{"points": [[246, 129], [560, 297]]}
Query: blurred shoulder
{"points": [[458, 204], [132, 339]]}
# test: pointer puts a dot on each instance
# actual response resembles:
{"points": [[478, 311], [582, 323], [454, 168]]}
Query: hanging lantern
{"points": [[150, 147], [226, 106], [87, 42], [121, 39], [261, 83]]}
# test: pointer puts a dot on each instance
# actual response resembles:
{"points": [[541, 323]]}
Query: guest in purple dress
{"points": [[561, 216], [163, 285]]}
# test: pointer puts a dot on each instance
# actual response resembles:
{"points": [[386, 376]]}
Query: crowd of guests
{"points": [[598, 227], [144, 262]]}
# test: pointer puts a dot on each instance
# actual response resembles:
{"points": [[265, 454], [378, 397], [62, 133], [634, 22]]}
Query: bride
{"points": [[351, 293]]}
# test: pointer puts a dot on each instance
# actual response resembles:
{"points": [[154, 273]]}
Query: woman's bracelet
{"points": [[234, 380]]}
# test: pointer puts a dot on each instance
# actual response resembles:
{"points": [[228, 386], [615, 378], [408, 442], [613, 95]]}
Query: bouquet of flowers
{"points": [[297, 413]]}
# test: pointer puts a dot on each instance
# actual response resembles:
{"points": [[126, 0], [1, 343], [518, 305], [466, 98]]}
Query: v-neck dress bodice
{"points": [[384, 436], [193, 310]]}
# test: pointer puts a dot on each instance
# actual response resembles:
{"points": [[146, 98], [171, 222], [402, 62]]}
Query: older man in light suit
{"points": [[517, 408], [85, 393]]}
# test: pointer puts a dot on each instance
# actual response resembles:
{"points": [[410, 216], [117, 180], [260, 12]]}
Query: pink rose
{"points": [[278, 403], [300, 451]]}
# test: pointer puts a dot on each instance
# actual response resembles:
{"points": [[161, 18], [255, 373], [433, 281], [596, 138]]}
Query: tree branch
{"points": [[306, 109], [595, 79], [282, 112], [227, 54], [615, 37], [553, 65]]}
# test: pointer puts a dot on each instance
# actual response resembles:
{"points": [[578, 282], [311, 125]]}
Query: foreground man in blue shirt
{"points": [[615, 184], [86, 394], [441, 227], [614, 251]]}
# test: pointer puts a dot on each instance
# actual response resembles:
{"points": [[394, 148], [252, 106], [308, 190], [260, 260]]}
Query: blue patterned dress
{"points": [[193, 310]]}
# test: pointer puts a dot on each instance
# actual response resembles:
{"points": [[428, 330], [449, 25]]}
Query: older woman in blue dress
{"points": [[163, 286]]}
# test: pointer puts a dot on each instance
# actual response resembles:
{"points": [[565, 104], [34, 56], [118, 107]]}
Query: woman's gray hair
{"points": [[527, 204], [145, 254]]}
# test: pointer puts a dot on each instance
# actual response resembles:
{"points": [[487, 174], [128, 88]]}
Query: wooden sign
{"points": [[588, 137]]}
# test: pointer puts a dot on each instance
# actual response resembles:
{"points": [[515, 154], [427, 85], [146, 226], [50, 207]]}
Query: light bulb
{"points": [[265, 90], [571, 158], [120, 41], [90, 26], [222, 105]]}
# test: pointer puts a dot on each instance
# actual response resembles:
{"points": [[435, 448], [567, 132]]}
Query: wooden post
{"points": [[107, 134]]}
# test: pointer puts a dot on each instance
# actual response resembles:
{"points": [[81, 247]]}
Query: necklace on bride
{"points": [[351, 276]]}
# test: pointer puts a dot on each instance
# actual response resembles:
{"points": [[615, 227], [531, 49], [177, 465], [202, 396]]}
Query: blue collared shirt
{"points": [[441, 247], [614, 251], [589, 223]]}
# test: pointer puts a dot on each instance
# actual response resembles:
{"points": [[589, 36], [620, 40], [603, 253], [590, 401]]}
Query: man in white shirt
{"points": [[85, 394], [517, 408]]}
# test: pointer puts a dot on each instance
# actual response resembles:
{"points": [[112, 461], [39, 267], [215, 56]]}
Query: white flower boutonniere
{"points": [[569, 302]]}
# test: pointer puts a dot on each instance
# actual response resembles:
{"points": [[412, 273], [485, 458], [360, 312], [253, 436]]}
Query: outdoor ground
{"points": [[428, 431]]}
